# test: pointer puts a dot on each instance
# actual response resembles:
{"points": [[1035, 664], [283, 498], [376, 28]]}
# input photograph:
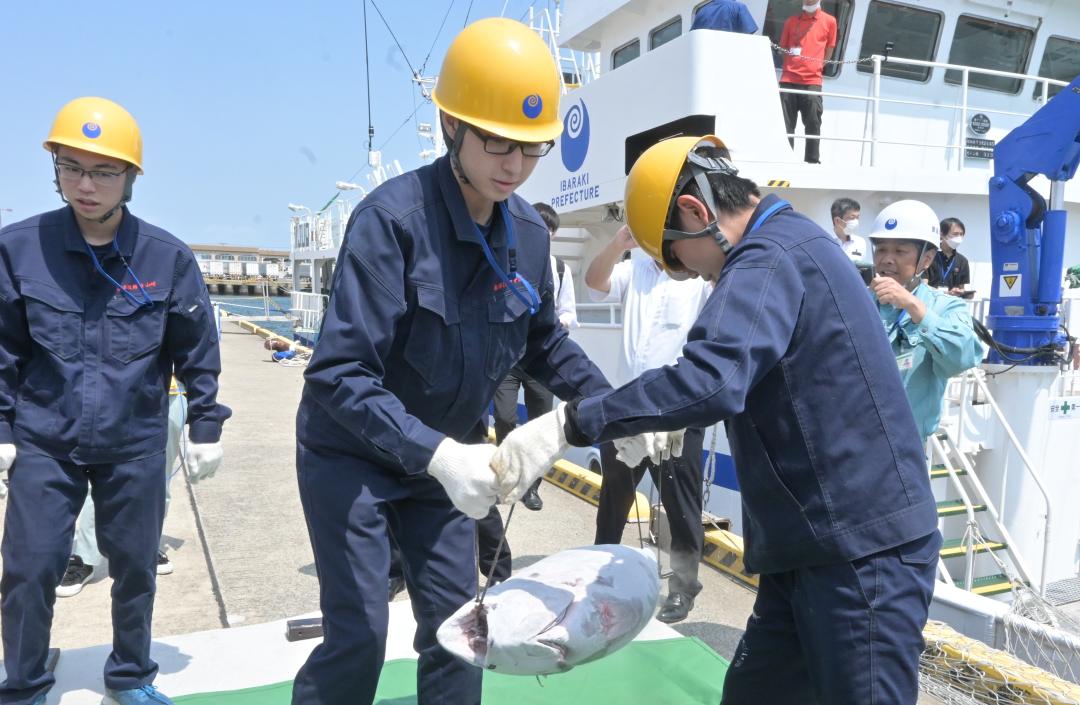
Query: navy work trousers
{"points": [[350, 506], [679, 480], [44, 499], [840, 634]]}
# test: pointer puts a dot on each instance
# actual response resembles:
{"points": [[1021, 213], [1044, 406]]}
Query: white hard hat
{"points": [[907, 220]]}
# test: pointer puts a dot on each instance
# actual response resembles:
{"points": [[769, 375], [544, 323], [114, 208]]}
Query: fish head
{"points": [[517, 631]]}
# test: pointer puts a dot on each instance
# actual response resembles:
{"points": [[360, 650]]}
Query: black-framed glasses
{"points": [[494, 144], [73, 173]]}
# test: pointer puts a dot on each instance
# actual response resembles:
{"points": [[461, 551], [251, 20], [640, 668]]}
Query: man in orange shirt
{"points": [[810, 38]]}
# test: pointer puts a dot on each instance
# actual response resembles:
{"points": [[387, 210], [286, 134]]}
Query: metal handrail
{"points": [[992, 510], [977, 376], [969, 562], [874, 99]]}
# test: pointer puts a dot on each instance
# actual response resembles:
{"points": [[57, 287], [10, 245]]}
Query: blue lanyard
{"points": [[780, 204], [533, 302], [899, 322], [945, 272], [147, 301]]}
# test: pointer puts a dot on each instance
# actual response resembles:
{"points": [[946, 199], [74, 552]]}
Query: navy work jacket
{"points": [[84, 372], [419, 329], [789, 353]]}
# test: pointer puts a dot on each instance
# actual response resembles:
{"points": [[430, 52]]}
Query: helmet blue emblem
{"points": [[532, 106], [574, 142], [890, 224], [91, 130]]}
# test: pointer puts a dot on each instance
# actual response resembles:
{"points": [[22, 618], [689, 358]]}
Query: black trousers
{"points": [[538, 401], [679, 480], [810, 107]]}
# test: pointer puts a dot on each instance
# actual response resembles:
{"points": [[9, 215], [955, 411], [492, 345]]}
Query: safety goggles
{"points": [[493, 144]]}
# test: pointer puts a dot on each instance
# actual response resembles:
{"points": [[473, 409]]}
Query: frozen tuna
{"points": [[568, 609]]}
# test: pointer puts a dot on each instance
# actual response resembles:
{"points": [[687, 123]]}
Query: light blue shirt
{"points": [[928, 353]]}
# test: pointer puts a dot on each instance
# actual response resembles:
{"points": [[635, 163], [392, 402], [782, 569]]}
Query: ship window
{"points": [[227, 258], [205, 255], [248, 258], [779, 10], [625, 53], [1061, 61], [665, 33], [914, 33], [987, 44]]}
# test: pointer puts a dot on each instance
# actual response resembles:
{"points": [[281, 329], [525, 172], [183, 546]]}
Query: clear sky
{"points": [[244, 106]]}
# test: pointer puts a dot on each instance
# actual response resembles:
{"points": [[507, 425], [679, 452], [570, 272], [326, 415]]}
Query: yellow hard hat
{"points": [[499, 76], [651, 187], [100, 126]]}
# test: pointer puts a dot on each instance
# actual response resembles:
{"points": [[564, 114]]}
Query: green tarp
{"points": [[680, 671]]}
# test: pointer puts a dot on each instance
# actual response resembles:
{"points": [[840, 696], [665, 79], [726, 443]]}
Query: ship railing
{"points": [[974, 391], [941, 447], [307, 309], [874, 100], [575, 68]]}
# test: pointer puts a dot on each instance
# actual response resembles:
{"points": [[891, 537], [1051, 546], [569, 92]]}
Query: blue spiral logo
{"points": [[890, 224], [574, 143], [532, 106], [91, 130]]}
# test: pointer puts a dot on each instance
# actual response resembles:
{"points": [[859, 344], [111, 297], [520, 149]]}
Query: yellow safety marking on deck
{"points": [[585, 484], [723, 550], [779, 183], [956, 551], [945, 647]]}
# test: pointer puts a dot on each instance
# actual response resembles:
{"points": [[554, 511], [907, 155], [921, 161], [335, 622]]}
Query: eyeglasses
{"points": [[502, 146], [73, 174]]}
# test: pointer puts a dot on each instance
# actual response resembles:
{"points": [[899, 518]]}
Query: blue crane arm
{"points": [[1028, 233]]}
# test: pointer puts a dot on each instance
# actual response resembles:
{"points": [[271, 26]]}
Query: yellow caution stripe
{"points": [[953, 653], [585, 484], [723, 550], [778, 183]]}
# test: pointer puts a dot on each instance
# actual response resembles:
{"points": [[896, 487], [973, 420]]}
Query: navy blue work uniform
{"points": [[84, 392], [725, 15], [839, 517], [418, 332]]}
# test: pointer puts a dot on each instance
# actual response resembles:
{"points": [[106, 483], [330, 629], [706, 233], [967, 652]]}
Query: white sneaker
{"points": [[76, 575], [164, 565]]}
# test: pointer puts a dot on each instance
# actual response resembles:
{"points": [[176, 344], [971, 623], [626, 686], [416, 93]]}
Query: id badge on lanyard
{"points": [[905, 361]]}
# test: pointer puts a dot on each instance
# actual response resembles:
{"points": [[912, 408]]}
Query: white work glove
{"points": [[528, 452], [7, 459], [657, 446], [202, 460], [464, 471]]}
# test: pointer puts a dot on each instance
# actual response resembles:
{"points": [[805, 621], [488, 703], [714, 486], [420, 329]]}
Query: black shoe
{"points": [[675, 609], [397, 584], [76, 575], [532, 501]]}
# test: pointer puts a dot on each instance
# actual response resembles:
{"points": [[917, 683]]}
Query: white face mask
{"points": [[954, 242], [811, 8], [851, 226]]}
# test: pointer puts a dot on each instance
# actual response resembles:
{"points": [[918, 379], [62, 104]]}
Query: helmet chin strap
{"points": [[455, 149], [914, 281]]}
